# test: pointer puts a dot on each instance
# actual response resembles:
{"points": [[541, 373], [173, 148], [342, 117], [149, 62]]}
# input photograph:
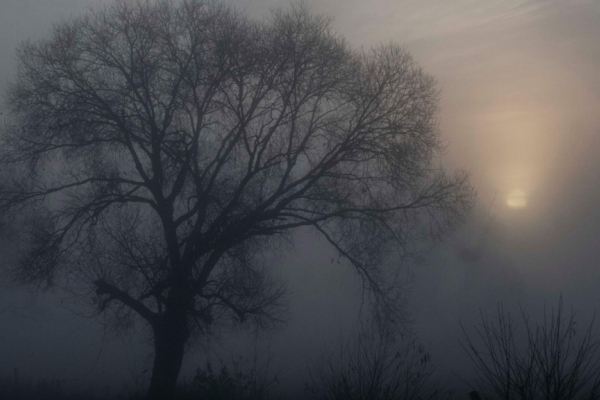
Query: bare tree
{"points": [[157, 152], [545, 361]]}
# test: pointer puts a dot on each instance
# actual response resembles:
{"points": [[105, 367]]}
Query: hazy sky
{"points": [[520, 109]]}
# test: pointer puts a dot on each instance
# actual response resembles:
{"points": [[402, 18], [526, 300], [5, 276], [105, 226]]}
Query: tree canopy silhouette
{"points": [[155, 153]]}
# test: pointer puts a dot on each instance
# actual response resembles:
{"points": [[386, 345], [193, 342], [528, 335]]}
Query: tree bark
{"points": [[170, 337]]}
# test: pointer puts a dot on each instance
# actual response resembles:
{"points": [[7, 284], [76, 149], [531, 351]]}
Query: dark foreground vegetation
{"points": [[226, 383], [513, 358]]}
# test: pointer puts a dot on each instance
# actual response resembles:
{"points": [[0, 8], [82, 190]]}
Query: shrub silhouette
{"points": [[375, 365], [548, 361], [225, 383]]}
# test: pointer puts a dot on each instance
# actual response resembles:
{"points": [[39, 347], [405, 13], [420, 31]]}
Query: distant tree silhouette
{"points": [[470, 244], [157, 152], [474, 395], [551, 360]]}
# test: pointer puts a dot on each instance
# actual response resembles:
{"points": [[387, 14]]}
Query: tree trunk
{"points": [[170, 337]]}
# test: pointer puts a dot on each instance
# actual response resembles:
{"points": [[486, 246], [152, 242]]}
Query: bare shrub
{"points": [[549, 360], [375, 365]]}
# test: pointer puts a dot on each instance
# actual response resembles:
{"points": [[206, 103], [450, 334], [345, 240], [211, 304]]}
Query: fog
{"points": [[520, 101]]}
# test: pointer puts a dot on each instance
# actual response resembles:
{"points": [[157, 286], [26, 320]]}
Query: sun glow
{"points": [[516, 199], [515, 145]]}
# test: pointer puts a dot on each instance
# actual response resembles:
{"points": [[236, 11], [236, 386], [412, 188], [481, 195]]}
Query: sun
{"points": [[516, 199]]}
